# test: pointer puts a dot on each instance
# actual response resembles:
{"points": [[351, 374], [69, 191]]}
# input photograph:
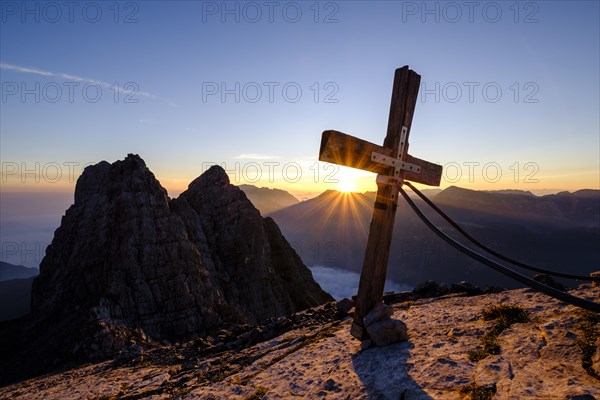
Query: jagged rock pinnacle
{"points": [[214, 176], [128, 259]]}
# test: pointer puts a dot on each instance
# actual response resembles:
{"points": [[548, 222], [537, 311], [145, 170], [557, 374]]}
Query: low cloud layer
{"points": [[341, 283]]}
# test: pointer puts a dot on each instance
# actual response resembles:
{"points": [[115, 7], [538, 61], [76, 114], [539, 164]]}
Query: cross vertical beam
{"points": [[372, 278]]}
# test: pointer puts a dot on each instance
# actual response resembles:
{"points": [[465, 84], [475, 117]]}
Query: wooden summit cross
{"points": [[393, 164]]}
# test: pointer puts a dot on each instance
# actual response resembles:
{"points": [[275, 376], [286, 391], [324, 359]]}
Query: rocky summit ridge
{"points": [[459, 347], [130, 265]]}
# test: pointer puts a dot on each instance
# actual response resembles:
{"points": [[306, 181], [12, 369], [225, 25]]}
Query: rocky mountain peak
{"points": [[130, 174], [214, 176], [127, 259]]}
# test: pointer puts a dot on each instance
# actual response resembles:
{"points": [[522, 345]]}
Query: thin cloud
{"points": [[256, 156], [61, 75], [25, 69]]}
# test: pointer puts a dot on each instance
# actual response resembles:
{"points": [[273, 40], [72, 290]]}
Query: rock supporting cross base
{"points": [[382, 328]]}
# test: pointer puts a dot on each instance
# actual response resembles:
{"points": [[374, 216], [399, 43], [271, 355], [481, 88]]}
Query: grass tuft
{"points": [[504, 316], [261, 391], [589, 329], [474, 392], [506, 312]]}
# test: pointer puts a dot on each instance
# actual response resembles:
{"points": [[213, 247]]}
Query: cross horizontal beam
{"points": [[343, 149]]}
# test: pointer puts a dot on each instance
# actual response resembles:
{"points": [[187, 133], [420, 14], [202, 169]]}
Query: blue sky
{"points": [[532, 115]]}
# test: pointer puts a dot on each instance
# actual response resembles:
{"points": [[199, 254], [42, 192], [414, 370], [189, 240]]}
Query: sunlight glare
{"points": [[348, 180], [346, 186]]}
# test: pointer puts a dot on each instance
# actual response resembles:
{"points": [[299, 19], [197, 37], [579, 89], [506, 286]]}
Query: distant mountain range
{"points": [[10, 271], [580, 208], [268, 200], [559, 231]]}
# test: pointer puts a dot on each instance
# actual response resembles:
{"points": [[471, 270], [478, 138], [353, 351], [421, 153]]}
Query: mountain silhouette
{"points": [[130, 265], [560, 232], [268, 200], [10, 271]]}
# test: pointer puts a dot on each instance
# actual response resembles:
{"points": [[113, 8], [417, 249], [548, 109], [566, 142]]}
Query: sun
{"points": [[347, 180], [346, 185]]}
